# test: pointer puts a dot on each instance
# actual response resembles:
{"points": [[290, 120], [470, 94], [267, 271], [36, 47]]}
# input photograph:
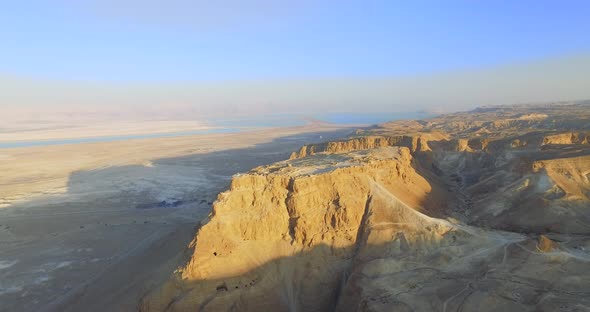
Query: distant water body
{"points": [[114, 138], [232, 125], [300, 120], [370, 118]]}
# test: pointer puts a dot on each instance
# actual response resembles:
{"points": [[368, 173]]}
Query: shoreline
{"points": [[62, 134], [112, 138]]}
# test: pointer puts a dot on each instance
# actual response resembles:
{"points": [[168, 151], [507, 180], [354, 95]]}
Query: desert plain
{"points": [[94, 226]]}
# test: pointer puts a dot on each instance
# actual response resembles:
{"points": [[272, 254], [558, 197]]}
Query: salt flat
{"points": [[55, 130], [97, 225]]}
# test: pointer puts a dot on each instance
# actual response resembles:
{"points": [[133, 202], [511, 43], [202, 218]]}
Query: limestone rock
{"points": [[447, 214]]}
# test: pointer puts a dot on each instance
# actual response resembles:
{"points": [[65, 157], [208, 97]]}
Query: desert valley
{"points": [[485, 210], [294, 156]]}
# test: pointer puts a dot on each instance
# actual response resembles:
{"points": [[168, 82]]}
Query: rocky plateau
{"points": [[487, 210]]}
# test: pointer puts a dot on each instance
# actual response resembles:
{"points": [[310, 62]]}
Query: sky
{"points": [[281, 56]]}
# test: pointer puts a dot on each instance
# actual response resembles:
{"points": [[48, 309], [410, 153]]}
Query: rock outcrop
{"points": [[284, 236], [567, 138], [416, 143], [484, 212]]}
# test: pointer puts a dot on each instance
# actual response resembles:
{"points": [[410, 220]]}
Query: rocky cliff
{"points": [[414, 143], [284, 236], [429, 220]]}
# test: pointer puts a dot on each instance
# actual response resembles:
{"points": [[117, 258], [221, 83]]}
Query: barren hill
{"points": [[487, 210]]}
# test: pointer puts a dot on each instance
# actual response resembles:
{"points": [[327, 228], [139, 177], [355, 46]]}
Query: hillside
{"points": [[486, 210]]}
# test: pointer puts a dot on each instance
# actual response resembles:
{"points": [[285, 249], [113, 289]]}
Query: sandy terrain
{"points": [[95, 226]]}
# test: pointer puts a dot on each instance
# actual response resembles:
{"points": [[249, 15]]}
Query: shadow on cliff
{"points": [[187, 181], [323, 277], [313, 280], [153, 190]]}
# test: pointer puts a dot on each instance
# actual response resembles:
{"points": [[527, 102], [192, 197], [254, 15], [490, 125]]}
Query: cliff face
{"points": [[420, 143], [567, 138], [414, 143], [284, 236], [387, 222]]}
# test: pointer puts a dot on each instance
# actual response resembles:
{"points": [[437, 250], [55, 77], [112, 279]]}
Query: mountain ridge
{"points": [[411, 215]]}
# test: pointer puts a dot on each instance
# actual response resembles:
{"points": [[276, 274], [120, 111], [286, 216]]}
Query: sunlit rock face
{"points": [[483, 211]]}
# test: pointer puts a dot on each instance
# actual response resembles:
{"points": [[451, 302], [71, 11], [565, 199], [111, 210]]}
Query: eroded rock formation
{"points": [[486, 211]]}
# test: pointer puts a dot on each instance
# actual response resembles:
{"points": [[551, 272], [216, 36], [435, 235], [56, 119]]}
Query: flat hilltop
{"points": [[484, 210]]}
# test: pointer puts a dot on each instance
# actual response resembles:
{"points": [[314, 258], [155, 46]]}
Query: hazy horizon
{"points": [[196, 60], [294, 155]]}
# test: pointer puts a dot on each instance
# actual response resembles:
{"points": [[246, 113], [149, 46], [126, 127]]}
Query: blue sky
{"points": [[180, 40], [198, 58]]}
